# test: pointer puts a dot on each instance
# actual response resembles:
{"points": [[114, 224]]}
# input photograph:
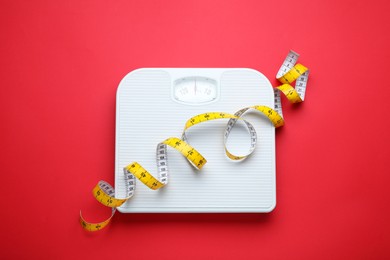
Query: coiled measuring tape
{"points": [[289, 72]]}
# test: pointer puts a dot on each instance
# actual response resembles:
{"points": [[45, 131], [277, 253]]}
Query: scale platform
{"points": [[154, 104]]}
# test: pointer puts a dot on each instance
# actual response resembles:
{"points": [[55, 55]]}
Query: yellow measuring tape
{"points": [[289, 72]]}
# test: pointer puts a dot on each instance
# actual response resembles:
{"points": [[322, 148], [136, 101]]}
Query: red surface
{"points": [[61, 62]]}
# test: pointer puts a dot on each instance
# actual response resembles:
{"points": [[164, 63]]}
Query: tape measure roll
{"points": [[289, 72]]}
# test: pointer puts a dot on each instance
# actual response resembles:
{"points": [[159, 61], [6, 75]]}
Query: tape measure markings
{"points": [[288, 63], [288, 73], [89, 226], [278, 103], [206, 117]]}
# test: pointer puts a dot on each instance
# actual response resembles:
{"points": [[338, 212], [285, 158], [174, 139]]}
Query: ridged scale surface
{"points": [[146, 115]]}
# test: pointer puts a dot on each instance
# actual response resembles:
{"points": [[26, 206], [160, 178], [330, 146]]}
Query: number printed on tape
{"points": [[289, 72]]}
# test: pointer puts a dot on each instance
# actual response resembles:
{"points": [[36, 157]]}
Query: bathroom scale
{"points": [[153, 104]]}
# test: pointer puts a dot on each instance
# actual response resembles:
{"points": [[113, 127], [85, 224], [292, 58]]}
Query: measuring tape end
{"points": [[91, 227]]}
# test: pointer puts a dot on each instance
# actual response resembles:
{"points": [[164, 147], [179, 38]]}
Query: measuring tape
{"points": [[289, 72]]}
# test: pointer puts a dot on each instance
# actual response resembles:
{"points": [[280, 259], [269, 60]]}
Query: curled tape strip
{"points": [[289, 72]]}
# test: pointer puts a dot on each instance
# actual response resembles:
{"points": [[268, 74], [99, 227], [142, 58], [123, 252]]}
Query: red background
{"points": [[61, 62]]}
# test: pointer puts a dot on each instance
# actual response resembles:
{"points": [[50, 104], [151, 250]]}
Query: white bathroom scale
{"points": [[153, 104]]}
